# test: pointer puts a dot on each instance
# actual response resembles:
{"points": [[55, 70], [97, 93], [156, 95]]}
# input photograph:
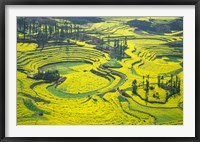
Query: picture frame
{"points": [[3, 71]]}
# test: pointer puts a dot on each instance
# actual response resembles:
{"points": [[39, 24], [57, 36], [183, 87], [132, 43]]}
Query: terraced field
{"points": [[94, 87]]}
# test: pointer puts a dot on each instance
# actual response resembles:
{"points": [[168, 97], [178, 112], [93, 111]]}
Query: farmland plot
{"points": [[100, 71]]}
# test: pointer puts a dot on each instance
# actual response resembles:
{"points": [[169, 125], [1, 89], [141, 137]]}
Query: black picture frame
{"points": [[3, 4]]}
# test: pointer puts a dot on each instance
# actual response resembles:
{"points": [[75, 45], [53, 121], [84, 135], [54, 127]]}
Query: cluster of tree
{"points": [[143, 25], [175, 43], [145, 84], [29, 26], [134, 86], [173, 85], [156, 27], [177, 25], [119, 47], [99, 43], [43, 29], [49, 76], [84, 20]]}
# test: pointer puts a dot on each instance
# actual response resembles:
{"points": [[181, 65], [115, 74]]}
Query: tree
{"points": [[125, 41], [109, 39], [171, 80], [162, 28], [19, 26], [29, 29], [179, 86], [176, 81], [143, 77], [120, 49], [62, 34], [116, 46], [158, 80], [19, 23], [36, 26], [75, 28], [147, 86], [70, 28], [134, 86], [46, 31], [24, 26], [44, 40], [101, 44], [148, 77], [41, 39], [66, 28], [162, 78], [151, 20], [78, 32], [115, 43], [50, 31], [33, 27], [57, 32]]}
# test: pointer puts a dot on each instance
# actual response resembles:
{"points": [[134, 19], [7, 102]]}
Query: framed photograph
{"points": [[99, 70]]}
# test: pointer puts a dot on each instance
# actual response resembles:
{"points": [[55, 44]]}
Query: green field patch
{"points": [[31, 106], [36, 99], [122, 99], [175, 72], [31, 117], [62, 67], [175, 43], [112, 64], [173, 58], [162, 115], [62, 94]]}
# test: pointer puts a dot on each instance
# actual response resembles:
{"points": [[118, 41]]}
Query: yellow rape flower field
{"points": [[82, 82], [100, 71]]}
